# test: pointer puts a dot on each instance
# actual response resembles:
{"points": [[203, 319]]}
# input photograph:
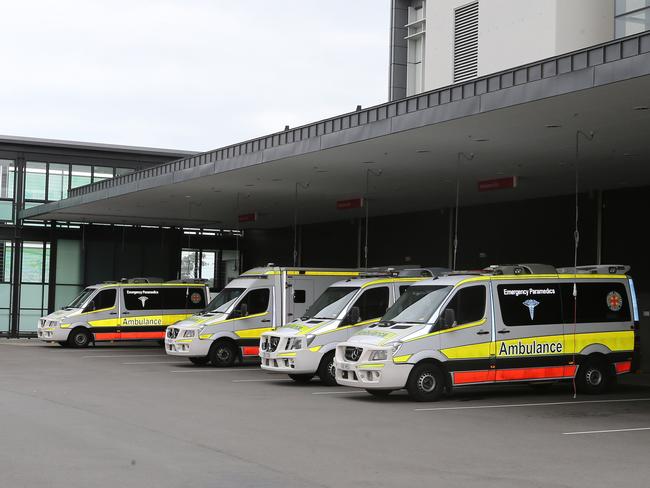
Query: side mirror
{"points": [[448, 318], [354, 316]]}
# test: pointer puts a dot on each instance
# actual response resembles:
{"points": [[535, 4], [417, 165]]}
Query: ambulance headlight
{"points": [[189, 333], [295, 343], [379, 355]]}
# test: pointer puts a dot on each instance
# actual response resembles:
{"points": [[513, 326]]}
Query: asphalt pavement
{"points": [[130, 416]]}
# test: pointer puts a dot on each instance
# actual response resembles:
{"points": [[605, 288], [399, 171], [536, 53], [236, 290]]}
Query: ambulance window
{"points": [[104, 299], [372, 304], [257, 301], [174, 298], [403, 288], [468, 305], [530, 304], [143, 298], [299, 296], [597, 303]]}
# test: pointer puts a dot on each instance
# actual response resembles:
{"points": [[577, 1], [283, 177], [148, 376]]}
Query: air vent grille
{"points": [[466, 42]]}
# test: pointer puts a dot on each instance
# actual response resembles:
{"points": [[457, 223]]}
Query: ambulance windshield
{"points": [[223, 300], [81, 298], [330, 303], [417, 304]]}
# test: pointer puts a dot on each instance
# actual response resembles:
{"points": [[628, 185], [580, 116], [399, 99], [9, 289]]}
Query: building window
{"points": [[466, 42], [632, 17], [34, 284], [197, 263], [7, 182], [416, 29]]}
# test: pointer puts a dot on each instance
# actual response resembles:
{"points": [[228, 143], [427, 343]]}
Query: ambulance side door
{"points": [[529, 330], [252, 315], [466, 335]]}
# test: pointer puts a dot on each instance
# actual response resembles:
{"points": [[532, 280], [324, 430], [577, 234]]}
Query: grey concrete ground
{"points": [[132, 417]]}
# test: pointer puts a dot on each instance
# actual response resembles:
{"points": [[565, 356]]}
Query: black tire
{"points": [[200, 361], [426, 383], [79, 338], [223, 354], [593, 377], [380, 393], [301, 378], [326, 371]]}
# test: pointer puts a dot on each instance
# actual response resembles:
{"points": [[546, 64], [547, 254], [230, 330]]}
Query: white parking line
{"points": [[261, 381], [336, 392], [210, 370], [605, 431], [125, 356], [519, 405], [153, 362]]}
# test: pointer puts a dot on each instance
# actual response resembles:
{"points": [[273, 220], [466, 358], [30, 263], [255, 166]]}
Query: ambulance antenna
{"points": [[576, 239]]}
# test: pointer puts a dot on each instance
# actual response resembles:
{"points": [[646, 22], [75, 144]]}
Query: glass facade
{"points": [[632, 17], [217, 267]]}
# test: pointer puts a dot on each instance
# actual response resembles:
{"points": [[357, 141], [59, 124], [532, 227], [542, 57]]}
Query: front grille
{"points": [[353, 353], [172, 333]]}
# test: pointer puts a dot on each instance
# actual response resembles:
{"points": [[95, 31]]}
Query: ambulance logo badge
{"points": [[195, 298], [614, 301], [531, 304], [143, 300]]}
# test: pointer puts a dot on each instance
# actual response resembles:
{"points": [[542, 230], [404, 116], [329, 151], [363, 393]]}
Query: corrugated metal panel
{"points": [[466, 42]]}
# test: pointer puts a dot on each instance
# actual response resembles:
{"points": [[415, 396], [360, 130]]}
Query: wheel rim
{"points": [[331, 370], [593, 377], [81, 339], [223, 354], [427, 382]]}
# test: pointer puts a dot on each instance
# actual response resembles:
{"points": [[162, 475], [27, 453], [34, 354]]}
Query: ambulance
{"points": [[259, 300], [305, 347], [523, 323], [139, 308]]}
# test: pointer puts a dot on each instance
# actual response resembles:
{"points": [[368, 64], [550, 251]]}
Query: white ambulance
{"points": [[525, 323], [305, 347], [259, 300]]}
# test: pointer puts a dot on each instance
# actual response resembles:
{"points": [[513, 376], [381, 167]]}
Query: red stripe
{"points": [[107, 336], [462, 377], [250, 351], [112, 336], [519, 374], [624, 367], [143, 335]]}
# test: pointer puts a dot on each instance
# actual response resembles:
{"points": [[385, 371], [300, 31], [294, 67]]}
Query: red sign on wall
{"points": [[251, 217], [498, 184], [349, 204]]}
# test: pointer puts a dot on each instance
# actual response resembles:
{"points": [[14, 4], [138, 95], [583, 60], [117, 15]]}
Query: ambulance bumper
{"points": [[53, 334], [364, 373], [301, 361], [187, 347]]}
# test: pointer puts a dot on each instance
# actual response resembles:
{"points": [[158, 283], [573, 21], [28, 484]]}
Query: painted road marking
{"points": [[154, 362], [210, 370], [261, 381], [336, 392], [126, 356], [606, 431], [519, 405]]}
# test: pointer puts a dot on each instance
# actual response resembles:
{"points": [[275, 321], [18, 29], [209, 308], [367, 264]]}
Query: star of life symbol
{"points": [[143, 300], [531, 304]]}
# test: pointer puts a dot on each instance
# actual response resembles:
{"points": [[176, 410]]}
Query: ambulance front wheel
{"points": [[593, 377], [223, 353], [301, 378], [326, 370], [426, 383], [79, 337]]}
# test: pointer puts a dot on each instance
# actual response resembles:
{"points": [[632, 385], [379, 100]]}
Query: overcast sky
{"points": [[186, 74]]}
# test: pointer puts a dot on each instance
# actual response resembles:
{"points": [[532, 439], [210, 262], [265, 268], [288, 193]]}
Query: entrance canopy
{"points": [[520, 123]]}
